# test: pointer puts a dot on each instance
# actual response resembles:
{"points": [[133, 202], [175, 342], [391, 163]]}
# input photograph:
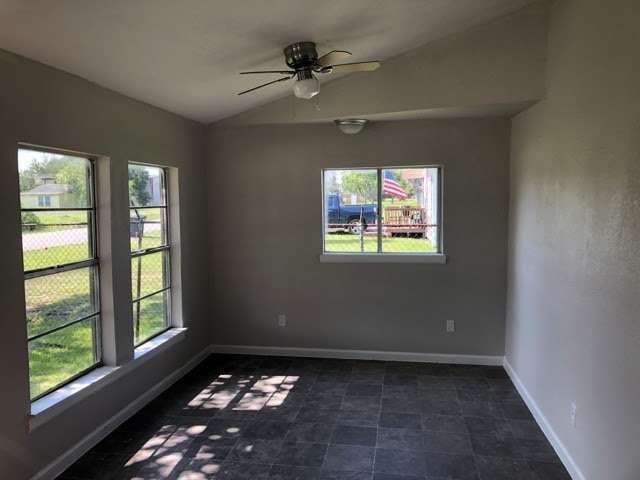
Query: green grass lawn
{"points": [[346, 242], [56, 299]]}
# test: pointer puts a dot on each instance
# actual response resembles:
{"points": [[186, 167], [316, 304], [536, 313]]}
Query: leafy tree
{"points": [[27, 181], [138, 182], [406, 185], [30, 221], [364, 184], [74, 174], [49, 164]]}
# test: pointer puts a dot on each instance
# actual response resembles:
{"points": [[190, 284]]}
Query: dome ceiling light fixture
{"points": [[351, 126], [305, 65]]}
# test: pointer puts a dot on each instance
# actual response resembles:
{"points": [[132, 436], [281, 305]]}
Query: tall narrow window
{"points": [[60, 262], [150, 255], [382, 210]]}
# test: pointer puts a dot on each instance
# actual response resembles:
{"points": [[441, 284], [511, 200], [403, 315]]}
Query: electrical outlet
{"points": [[572, 414], [282, 320], [451, 326]]}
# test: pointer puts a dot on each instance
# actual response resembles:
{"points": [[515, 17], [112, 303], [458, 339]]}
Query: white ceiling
{"points": [[184, 56]]}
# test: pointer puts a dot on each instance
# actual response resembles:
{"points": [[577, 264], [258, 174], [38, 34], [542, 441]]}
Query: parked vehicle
{"points": [[347, 217]]}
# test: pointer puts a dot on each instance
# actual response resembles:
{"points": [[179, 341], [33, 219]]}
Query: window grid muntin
{"points": [[379, 170], [164, 221], [96, 333], [137, 253], [91, 262]]}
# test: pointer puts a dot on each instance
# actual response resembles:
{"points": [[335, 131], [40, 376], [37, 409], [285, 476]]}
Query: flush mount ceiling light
{"points": [[351, 126], [304, 64]]}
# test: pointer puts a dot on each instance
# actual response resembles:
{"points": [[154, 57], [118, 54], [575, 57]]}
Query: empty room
{"points": [[320, 240]]}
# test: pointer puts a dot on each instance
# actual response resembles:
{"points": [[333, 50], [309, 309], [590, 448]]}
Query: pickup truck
{"points": [[347, 217]]}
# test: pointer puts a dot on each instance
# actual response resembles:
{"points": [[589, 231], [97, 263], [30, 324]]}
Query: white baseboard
{"points": [[545, 425], [68, 458], [359, 354]]}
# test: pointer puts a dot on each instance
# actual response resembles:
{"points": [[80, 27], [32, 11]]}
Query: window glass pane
{"points": [[51, 180], [51, 238], [410, 210], [59, 298], [146, 186], [147, 228], [60, 355], [148, 274], [350, 198], [150, 316], [57, 220]]}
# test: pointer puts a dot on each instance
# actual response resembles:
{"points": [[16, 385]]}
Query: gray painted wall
{"points": [[573, 332], [265, 233], [47, 107]]}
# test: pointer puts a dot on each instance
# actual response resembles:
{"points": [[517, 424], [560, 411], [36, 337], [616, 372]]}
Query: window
{"points": [[150, 251], [60, 260], [382, 210], [44, 201]]}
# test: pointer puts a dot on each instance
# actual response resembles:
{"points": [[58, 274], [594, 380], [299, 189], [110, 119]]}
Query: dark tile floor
{"points": [[241, 417]]}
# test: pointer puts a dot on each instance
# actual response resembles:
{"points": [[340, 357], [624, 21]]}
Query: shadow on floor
{"points": [[240, 417]]}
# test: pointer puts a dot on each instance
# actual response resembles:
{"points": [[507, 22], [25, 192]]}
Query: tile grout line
{"points": [[207, 420]]}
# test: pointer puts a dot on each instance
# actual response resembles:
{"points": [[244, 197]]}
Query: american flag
{"points": [[391, 187]]}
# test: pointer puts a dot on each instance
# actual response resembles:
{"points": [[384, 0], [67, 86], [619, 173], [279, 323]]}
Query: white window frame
{"points": [[379, 256], [118, 356], [93, 263], [166, 253]]}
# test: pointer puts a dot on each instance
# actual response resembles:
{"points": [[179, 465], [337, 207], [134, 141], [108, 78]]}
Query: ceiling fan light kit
{"points": [[307, 85], [302, 58], [351, 126]]}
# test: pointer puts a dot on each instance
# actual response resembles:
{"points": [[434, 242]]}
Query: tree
{"points": [[74, 175], [363, 183], [27, 181], [138, 182], [406, 185]]}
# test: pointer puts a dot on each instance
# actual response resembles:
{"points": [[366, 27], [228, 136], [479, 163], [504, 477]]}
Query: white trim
{"points": [[545, 425], [359, 354], [158, 343], [64, 461], [437, 258], [51, 405]]}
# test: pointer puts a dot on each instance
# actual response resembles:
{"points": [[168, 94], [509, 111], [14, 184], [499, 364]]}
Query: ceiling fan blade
{"points": [[265, 84], [281, 72], [352, 67], [332, 57]]}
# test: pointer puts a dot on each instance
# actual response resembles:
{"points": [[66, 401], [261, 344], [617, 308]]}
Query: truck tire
{"points": [[354, 226]]}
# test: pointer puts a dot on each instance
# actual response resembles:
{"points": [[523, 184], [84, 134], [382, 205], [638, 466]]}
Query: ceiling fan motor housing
{"points": [[301, 55]]}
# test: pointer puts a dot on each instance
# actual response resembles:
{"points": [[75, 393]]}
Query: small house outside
{"points": [[47, 194]]}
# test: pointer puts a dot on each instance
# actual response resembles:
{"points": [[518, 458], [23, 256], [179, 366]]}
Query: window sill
{"points": [[51, 405], [159, 343], [434, 258]]}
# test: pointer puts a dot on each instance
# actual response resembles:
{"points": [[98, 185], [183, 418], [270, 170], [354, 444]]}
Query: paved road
{"points": [[72, 236]]}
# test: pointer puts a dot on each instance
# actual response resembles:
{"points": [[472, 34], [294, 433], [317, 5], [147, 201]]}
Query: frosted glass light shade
{"points": [[306, 88], [351, 126]]}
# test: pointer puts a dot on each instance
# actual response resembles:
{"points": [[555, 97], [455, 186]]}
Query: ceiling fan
{"points": [[304, 64]]}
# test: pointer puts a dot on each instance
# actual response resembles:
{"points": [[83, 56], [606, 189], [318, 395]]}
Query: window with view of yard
{"points": [[382, 210], [150, 251], [60, 260]]}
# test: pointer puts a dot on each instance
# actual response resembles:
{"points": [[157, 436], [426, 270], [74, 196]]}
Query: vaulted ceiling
{"points": [[184, 56]]}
